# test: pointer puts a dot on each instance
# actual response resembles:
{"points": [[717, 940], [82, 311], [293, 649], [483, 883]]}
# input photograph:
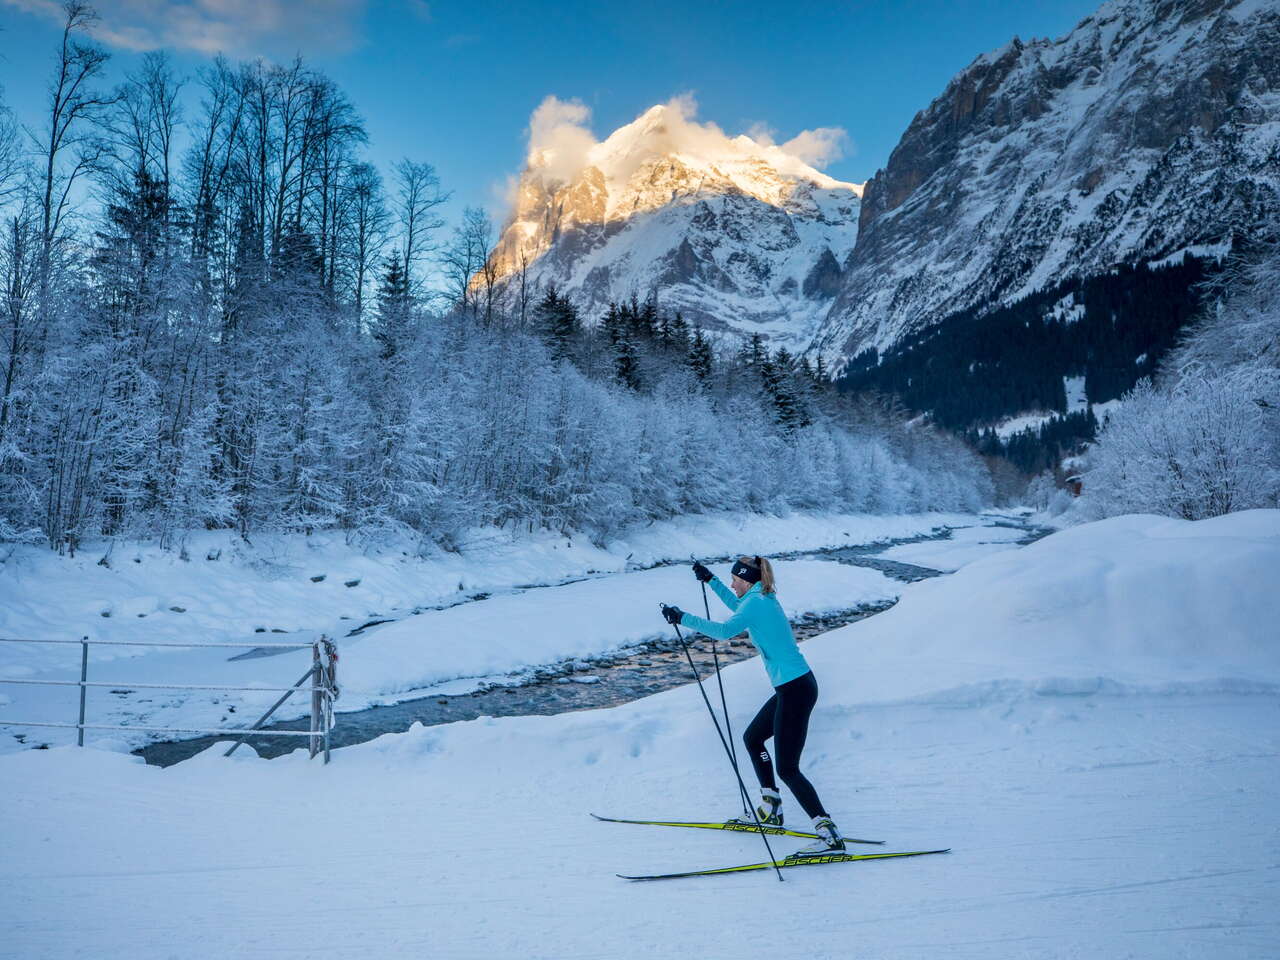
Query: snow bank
{"points": [[726, 534], [289, 588], [1135, 602]]}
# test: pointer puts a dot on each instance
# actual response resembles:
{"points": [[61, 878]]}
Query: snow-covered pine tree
{"points": [[390, 323], [556, 320], [700, 356]]}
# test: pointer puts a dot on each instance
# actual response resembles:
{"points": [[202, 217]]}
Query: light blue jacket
{"points": [[761, 615]]}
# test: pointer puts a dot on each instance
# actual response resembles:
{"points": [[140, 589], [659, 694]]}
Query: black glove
{"points": [[673, 614], [701, 572]]}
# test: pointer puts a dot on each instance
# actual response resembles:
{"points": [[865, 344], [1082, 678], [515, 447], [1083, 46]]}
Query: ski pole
{"points": [[741, 786], [724, 706], [728, 728], [733, 760]]}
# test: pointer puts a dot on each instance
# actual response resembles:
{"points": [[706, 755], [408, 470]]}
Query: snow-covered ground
{"points": [[154, 597], [1089, 722]]}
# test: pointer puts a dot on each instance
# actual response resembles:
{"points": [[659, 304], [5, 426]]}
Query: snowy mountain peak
{"points": [[739, 233]]}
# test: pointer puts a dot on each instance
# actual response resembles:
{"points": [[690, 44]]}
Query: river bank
{"points": [[592, 682]]}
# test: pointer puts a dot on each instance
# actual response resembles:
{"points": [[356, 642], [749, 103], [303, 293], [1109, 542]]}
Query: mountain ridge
{"points": [[1149, 129]]}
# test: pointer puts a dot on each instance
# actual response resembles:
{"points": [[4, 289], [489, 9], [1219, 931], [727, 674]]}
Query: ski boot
{"points": [[769, 811], [829, 839]]}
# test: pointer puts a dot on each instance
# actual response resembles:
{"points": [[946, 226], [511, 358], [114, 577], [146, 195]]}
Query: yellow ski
{"points": [[795, 860], [733, 826]]}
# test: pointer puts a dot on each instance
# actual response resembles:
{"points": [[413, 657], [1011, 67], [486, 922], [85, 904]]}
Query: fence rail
{"points": [[321, 680], [167, 643], [146, 686], [116, 726]]}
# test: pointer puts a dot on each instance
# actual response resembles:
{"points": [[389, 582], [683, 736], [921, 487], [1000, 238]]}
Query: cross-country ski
{"points": [[794, 860], [731, 826]]}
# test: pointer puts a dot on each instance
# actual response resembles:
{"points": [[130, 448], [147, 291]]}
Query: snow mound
{"points": [[961, 548], [1134, 603]]}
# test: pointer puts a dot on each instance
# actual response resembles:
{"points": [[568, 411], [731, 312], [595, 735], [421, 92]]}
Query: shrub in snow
{"points": [[1202, 449], [1046, 495]]}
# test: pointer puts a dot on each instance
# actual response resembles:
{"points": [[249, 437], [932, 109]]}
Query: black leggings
{"points": [[785, 717]]}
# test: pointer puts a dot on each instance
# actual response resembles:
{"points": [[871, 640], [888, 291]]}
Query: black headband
{"points": [[747, 572]]}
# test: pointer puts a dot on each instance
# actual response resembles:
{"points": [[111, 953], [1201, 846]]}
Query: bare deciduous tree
{"points": [[143, 121], [465, 260], [74, 109], [420, 198], [10, 152], [210, 159], [369, 221]]}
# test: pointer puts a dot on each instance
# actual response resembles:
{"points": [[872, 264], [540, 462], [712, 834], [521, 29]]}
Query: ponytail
{"points": [[767, 583]]}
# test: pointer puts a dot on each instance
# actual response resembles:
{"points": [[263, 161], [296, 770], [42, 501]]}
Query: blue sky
{"points": [[455, 83]]}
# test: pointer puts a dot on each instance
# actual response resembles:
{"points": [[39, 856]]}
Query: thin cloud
{"points": [[820, 146], [238, 27]]}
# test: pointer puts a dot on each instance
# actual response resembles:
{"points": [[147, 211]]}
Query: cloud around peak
{"points": [[562, 143], [559, 139]]}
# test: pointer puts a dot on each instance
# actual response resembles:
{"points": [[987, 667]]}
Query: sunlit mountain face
{"points": [[739, 234]]}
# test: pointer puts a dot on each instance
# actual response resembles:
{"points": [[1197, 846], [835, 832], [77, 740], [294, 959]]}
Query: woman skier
{"points": [[785, 717]]}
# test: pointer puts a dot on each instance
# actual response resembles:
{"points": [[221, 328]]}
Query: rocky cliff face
{"points": [[1150, 129], [736, 235]]}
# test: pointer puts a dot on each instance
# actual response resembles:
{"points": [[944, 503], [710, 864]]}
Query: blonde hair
{"points": [[767, 582]]}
